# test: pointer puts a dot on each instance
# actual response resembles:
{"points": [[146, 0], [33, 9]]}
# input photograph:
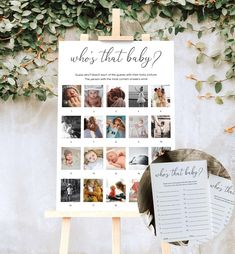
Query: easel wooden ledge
{"points": [[115, 215]]}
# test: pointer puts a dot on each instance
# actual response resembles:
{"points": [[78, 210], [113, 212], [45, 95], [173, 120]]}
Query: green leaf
{"points": [[200, 58], [79, 10], [215, 53], [22, 71], [52, 28], [211, 79], [8, 65], [66, 23], [39, 17], [198, 86], [217, 62], [219, 100], [36, 10], [230, 73], [16, 8], [167, 12], [218, 87], [200, 45], [224, 11], [15, 3], [11, 81], [105, 4], [199, 35], [33, 25], [182, 2], [24, 21], [189, 26], [26, 13], [83, 22]]}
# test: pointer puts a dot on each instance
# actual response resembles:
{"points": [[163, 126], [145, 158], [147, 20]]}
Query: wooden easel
{"points": [[115, 215]]}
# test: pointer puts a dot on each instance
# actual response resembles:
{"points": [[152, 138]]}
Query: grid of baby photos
{"points": [[107, 136]]}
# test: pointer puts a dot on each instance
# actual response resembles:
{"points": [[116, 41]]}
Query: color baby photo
{"points": [[93, 127], [93, 96], [116, 126], [93, 158], [160, 96], [71, 96], [70, 158], [93, 190], [116, 96], [116, 158]]}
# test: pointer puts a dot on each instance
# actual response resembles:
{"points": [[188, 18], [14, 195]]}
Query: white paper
{"points": [[222, 202], [137, 68], [181, 200]]}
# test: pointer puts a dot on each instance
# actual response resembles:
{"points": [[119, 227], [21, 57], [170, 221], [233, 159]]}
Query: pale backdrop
{"points": [[28, 168]]}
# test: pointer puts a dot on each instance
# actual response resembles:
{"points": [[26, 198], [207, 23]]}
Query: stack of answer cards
{"points": [[188, 205]]}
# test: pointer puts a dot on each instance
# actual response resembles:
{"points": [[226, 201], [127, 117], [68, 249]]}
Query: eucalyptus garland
{"points": [[30, 30]]}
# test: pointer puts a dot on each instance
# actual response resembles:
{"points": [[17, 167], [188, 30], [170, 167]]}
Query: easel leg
{"points": [[116, 235], [166, 248], [64, 240]]}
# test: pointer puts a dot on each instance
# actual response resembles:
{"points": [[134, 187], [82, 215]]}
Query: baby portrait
{"points": [[160, 126], [93, 158], [138, 158], [70, 158], [71, 127], [93, 190], [116, 158], [115, 96], [71, 96], [93, 127], [70, 190], [116, 126], [116, 190], [158, 151], [138, 126], [133, 191], [138, 96], [160, 96], [93, 96]]}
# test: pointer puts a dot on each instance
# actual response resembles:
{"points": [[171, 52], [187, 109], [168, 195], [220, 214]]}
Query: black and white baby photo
{"points": [[138, 158], [70, 190], [93, 127], [138, 96], [70, 158], [160, 96], [71, 127], [161, 126], [138, 126], [93, 158], [71, 96], [116, 96], [93, 96]]}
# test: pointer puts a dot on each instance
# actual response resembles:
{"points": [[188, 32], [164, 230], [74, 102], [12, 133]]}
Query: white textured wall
{"points": [[28, 170]]}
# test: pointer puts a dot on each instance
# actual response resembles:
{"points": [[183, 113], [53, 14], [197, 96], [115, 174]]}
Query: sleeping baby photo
{"points": [[116, 158], [93, 158], [138, 158]]}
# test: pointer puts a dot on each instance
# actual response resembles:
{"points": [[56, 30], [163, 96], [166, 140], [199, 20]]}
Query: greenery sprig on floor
{"points": [[30, 29]]}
